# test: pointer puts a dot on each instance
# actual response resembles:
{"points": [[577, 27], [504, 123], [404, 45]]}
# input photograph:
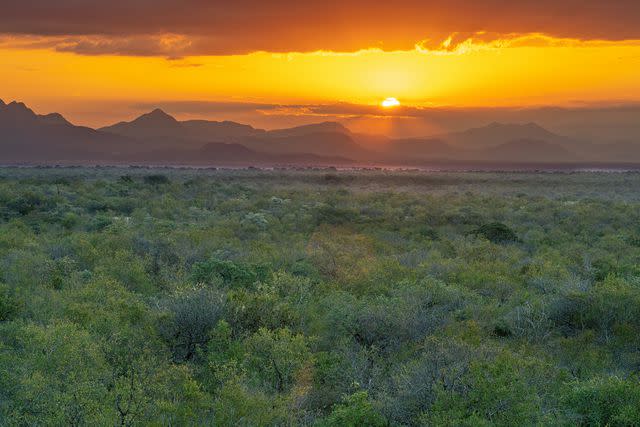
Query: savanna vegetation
{"points": [[169, 297]]}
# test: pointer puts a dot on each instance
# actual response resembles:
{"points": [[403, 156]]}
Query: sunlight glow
{"points": [[390, 103]]}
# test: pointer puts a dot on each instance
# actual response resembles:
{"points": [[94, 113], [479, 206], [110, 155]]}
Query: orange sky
{"points": [[537, 71], [82, 62]]}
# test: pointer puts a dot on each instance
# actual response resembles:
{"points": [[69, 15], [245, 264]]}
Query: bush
{"points": [[356, 410], [609, 401], [192, 314], [156, 179], [227, 272], [490, 393], [10, 304], [275, 357], [528, 321], [496, 232], [604, 308], [27, 203]]}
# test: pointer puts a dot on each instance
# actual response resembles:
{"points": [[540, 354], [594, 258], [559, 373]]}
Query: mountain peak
{"points": [[158, 111], [158, 114], [516, 128], [18, 106], [19, 111], [154, 124], [322, 127], [54, 118], [335, 126], [2, 104], [499, 125]]}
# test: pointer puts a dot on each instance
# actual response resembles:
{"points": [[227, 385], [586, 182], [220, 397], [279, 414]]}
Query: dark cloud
{"points": [[136, 27], [172, 47]]}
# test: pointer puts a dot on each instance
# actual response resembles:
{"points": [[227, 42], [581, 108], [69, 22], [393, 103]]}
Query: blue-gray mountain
{"points": [[158, 138]]}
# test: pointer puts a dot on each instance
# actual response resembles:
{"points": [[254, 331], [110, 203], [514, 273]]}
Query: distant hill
{"points": [[498, 142], [317, 143], [528, 150], [205, 130], [157, 137], [315, 128], [495, 134], [155, 124], [158, 130], [161, 127], [420, 148], [619, 151], [219, 153], [26, 136]]}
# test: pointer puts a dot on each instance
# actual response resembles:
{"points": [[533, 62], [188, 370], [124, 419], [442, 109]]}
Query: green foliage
{"points": [[608, 401], [238, 405], [227, 272], [52, 374], [276, 357], [155, 179], [356, 410], [140, 296], [496, 232], [611, 308], [491, 393], [10, 303], [192, 314]]}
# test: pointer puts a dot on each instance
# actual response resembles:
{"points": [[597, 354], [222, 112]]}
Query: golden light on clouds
{"points": [[522, 71]]}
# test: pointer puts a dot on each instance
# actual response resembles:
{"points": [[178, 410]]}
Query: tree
{"points": [[191, 314], [355, 410], [275, 357]]}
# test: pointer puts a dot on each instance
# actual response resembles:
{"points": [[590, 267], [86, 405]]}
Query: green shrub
{"points": [[274, 358], [191, 314], [10, 304], [610, 401], [496, 232], [230, 273], [490, 393], [355, 410], [156, 179]]}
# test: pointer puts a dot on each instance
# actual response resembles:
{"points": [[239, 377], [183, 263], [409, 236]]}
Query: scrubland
{"points": [[138, 296]]}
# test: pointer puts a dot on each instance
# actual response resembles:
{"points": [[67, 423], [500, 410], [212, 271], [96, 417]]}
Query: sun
{"points": [[390, 103]]}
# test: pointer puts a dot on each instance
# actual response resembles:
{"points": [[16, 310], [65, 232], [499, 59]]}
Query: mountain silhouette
{"points": [[152, 137], [205, 130], [317, 143], [158, 129], [420, 148], [529, 150], [159, 138], [27, 136], [495, 134], [315, 128], [155, 124], [160, 126], [219, 153]]}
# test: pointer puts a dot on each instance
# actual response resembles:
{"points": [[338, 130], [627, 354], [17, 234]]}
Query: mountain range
{"points": [[158, 138]]}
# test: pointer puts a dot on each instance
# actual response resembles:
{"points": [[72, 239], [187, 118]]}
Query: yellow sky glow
{"points": [[542, 72]]}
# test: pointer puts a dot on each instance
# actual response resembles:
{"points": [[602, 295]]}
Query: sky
{"points": [[280, 63]]}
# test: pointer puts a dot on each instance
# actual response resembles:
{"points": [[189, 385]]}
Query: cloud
{"points": [[210, 107], [351, 110], [206, 27], [172, 46]]}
